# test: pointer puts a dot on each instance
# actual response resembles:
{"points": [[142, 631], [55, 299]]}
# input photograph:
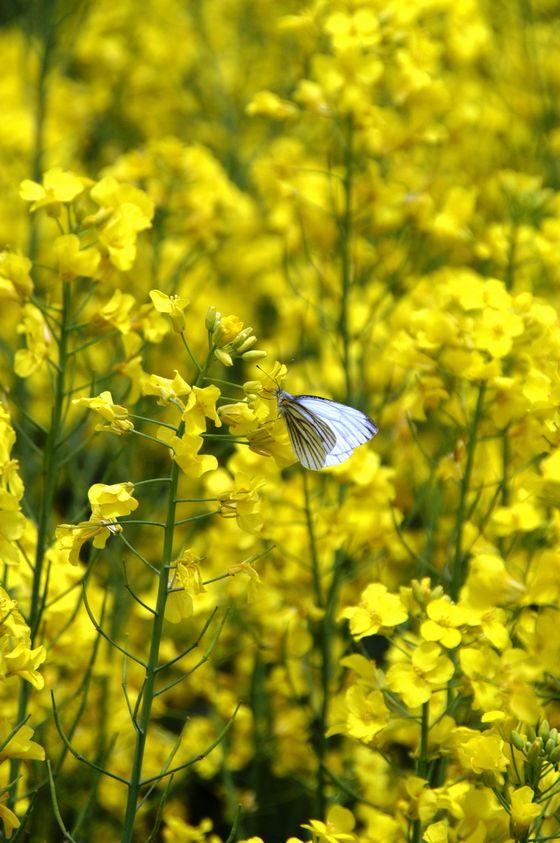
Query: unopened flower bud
{"points": [[417, 592], [254, 354], [249, 343], [549, 746], [544, 730], [554, 756], [241, 337], [212, 317], [517, 740], [534, 753], [223, 357], [252, 387]]}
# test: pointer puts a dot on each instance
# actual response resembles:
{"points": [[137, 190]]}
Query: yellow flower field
{"points": [[202, 201]]}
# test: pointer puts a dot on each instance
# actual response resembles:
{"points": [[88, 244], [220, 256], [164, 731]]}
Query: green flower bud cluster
{"points": [[540, 746], [229, 339]]}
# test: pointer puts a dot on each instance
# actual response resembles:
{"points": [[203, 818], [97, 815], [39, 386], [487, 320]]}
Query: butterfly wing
{"points": [[351, 427], [310, 437]]}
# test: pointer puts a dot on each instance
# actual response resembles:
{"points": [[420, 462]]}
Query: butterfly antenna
{"points": [[274, 381]]}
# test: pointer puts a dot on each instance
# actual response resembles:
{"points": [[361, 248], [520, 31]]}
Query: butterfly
{"points": [[323, 432]]}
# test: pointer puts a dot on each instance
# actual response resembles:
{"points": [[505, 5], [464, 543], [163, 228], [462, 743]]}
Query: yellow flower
{"points": [[185, 452], [115, 414], [185, 581], [73, 261], [523, 810], [378, 609], [253, 576], [367, 713], [443, 619], [71, 537], [269, 104], [131, 211], [107, 504], [20, 744], [116, 311], [521, 516], [172, 305], [272, 440], [15, 280], [480, 752], [11, 619], [436, 833], [112, 501], [417, 679], [227, 329], [9, 819], [12, 527], [338, 826], [496, 330], [38, 339], [168, 390], [23, 662], [201, 405], [359, 30], [57, 187], [240, 498], [239, 417]]}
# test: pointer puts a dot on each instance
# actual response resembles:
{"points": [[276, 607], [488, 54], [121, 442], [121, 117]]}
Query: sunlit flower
{"points": [[378, 609], [337, 827], [173, 306], [114, 414], [58, 188], [427, 671], [72, 260]]}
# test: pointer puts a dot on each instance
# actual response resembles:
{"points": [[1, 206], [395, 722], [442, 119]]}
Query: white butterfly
{"points": [[323, 432]]}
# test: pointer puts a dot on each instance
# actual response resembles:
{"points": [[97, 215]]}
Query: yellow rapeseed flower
{"points": [[427, 671], [57, 187], [378, 609], [114, 414]]}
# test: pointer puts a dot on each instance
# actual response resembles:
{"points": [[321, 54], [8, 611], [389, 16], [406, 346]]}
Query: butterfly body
{"points": [[323, 432]]}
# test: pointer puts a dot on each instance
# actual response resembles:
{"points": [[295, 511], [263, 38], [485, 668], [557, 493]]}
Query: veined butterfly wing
{"points": [[311, 438], [323, 432], [350, 426]]}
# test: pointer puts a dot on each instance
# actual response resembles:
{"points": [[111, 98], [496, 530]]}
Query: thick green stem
{"points": [[322, 642], [459, 560], [153, 660], [148, 687]]}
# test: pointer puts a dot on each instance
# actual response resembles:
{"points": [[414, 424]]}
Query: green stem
{"points": [[323, 645], [49, 484], [148, 694], [460, 558], [153, 659]]}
